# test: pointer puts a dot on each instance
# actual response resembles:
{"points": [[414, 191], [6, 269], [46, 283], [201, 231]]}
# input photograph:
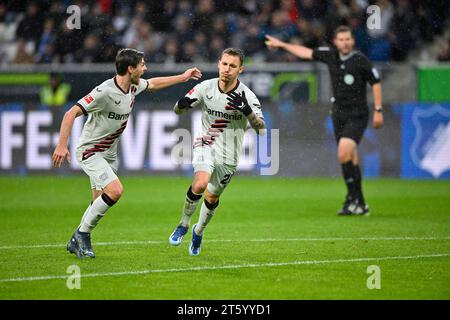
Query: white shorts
{"points": [[220, 174], [101, 171]]}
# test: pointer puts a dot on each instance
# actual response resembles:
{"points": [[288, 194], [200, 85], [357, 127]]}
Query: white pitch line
{"points": [[236, 266], [37, 246]]}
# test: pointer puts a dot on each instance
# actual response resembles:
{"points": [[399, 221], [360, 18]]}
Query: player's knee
{"points": [[115, 192], [344, 156], [212, 199], [199, 186]]}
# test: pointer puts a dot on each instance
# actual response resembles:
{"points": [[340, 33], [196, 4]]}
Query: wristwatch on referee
{"points": [[378, 109]]}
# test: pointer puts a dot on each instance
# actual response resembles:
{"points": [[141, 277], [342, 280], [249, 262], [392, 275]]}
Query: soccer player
{"points": [[350, 72], [108, 107], [228, 106]]}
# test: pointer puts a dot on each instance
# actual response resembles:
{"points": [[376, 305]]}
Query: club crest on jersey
{"points": [[88, 99], [349, 79], [191, 91]]}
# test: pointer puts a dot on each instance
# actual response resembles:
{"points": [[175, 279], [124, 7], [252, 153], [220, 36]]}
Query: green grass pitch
{"points": [[269, 239]]}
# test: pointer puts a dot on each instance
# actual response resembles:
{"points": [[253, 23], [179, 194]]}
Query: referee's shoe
{"points": [[354, 207], [345, 211], [358, 208]]}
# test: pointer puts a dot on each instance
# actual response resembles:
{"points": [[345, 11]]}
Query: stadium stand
{"points": [[197, 31]]}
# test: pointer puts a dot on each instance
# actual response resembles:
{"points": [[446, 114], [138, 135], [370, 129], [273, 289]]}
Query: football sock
{"points": [[190, 204], [206, 213], [97, 211], [358, 188], [348, 172], [85, 213]]}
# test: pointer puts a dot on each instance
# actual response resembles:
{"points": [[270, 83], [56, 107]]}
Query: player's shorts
{"points": [[221, 174], [349, 126], [101, 171]]}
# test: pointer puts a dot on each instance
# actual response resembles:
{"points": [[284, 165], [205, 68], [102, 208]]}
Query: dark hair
{"points": [[127, 57], [234, 52], [341, 29]]}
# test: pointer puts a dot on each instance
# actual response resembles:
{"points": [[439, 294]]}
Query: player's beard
{"points": [[135, 80], [347, 49], [226, 79]]}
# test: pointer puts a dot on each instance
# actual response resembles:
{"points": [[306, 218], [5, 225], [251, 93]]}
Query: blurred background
{"points": [[45, 67]]}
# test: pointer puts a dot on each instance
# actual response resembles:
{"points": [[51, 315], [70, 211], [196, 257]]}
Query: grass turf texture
{"points": [[254, 216]]}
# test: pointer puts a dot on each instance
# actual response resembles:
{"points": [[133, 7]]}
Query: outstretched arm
{"points": [[164, 82], [297, 50], [61, 151]]}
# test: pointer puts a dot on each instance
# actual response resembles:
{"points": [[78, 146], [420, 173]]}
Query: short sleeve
{"points": [[196, 93], [323, 54], [92, 102], [142, 86], [369, 72]]}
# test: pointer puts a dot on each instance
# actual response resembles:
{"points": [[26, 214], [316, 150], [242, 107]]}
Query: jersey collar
{"points": [[346, 57], [117, 85], [235, 87]]}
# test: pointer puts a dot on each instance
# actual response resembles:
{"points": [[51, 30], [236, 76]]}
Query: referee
{"points": [[350, 71]]}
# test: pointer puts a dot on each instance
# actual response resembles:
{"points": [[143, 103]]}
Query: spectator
{"points": [[148, 26], [120, 21], [90, 52], [253, 42], [362, 42], [191, 54], [96, 21], [56, 92], [403, 32], [22, 56], [144, 39], [56, 12], [201, 43], [444, 51], [30, 27], [281, 26], [3, 13], [380, 47], [204, 16], [183, 29], [386, 15], [217, 45], [45, 45], [220, 27], [67, 42], [310, 9], [291, 8], [48, 55], [172, 51]]}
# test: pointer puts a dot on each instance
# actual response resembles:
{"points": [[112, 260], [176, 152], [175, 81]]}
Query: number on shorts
{"points": [[226, 178]]}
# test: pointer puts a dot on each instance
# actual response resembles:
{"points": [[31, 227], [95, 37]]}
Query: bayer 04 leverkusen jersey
{"points": [[226, 126], [108, 108]]}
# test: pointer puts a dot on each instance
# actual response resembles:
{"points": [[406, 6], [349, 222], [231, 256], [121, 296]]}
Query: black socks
{"points": [[352, 178]]}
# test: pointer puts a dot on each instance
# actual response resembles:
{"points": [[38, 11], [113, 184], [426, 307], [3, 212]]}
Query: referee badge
{"points": [[349, 79]]}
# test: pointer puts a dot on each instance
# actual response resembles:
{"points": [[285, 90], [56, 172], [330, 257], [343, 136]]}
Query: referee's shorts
{"points": [[349, 126]]}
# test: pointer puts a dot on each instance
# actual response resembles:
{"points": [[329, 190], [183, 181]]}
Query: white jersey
{"points": [[108, 107], [229, 126]]}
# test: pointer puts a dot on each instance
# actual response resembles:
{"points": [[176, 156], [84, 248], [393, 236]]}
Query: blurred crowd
{"points": [[197, 31]]}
